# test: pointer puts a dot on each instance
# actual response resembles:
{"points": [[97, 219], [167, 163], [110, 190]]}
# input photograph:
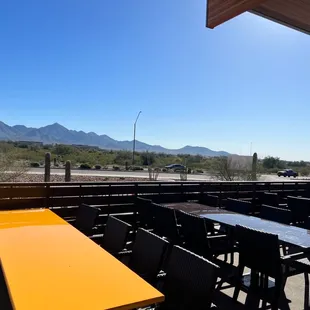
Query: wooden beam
{"points": [[292, 13], [220, 11]]}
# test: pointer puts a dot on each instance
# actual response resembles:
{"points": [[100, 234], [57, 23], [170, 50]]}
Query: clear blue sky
{"points": [[92, 65]]}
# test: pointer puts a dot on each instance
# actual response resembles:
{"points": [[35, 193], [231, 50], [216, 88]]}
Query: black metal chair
{"points": [[276, 214], [260, 252], [146, 214], [189, 282], [5, 300], [195, 238], [169, 197], [238, 206], [300, 208], [270, 199], [165, 224], [209, 200], [86, 218], [147, 255], [273, 199], [115, 235]]}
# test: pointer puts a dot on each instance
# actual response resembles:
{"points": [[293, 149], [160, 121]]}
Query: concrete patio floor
{"points": [[294, 290]]}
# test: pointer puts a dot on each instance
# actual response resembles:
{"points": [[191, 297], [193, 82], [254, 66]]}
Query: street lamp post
{"points": [[134, 139]]}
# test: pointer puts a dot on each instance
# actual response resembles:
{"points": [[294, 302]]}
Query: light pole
{"points": [[134, 139]]}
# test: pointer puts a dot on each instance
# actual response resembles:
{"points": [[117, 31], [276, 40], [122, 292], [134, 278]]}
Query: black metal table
{"points": [[196, 208], [287, 234], [291, 235]]}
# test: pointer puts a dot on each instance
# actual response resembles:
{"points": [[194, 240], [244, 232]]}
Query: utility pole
{"points": [[134, 139]]}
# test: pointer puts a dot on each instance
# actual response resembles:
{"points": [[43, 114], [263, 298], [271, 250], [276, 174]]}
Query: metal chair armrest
{"points": [[123, 253], [218, 236], [287, 259]]}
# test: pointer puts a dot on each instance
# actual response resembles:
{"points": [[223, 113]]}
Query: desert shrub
{"points": [[97, 167], [85, 166], [304, 172], [22, 146], [10, 167], [34, 165]]}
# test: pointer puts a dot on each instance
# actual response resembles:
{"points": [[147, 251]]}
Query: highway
{"points": [[144, 175]]}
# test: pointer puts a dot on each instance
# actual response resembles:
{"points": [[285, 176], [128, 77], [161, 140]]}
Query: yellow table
{"points": [[48, 264]]}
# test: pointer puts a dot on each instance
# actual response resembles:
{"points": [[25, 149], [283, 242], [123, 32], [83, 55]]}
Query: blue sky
{"points": [[93, 65]]}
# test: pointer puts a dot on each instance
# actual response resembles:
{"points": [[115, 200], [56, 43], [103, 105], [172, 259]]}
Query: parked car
{"points": [[176, 167], [287, 173]]}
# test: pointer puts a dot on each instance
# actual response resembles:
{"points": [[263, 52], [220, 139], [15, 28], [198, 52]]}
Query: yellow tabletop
{"points": [[48, 264]]}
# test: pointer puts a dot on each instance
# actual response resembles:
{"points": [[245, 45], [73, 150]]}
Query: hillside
{"points": [[57, 133]]}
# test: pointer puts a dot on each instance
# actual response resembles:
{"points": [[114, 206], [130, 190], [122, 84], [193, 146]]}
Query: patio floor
{"points": [[294, 290]]}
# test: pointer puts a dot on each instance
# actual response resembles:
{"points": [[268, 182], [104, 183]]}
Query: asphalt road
{"points": [[119, 174], [145, 175]]}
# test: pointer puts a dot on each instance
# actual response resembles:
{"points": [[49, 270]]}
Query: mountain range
{"points": [[57, 133]]}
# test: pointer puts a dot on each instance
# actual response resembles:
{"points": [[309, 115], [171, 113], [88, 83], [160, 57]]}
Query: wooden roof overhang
{"points": [[291, 13]]}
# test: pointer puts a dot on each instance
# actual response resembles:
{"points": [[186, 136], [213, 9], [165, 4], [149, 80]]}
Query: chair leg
{"points": [[279, 295], [306, 301], [232, 258], [238, 284], [264, 283]]}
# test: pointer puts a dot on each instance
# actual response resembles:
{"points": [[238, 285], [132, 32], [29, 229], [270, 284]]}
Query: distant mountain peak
{"points": [[57, 133], [57, 125]]}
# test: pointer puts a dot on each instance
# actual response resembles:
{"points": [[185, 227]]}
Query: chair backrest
{"points": [[270, 199], [190, 281], [146, 214], [169, 197], [115, 235], [194, 232], [300, 208], [258, 250], [279, 215], [147, 255], [5, 300], [239, 206], [86, 218], [165, 222], [141, 200], [209, 200]]}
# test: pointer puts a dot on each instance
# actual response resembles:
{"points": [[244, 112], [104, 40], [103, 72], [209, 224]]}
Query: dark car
{"points": [[176, 167], [287, 173]]}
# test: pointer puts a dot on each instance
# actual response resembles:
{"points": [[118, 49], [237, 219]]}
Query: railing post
{"points": [[182, 191], [254, 192], [238, 184], [47, 196], [136, 190], [80, 195], [201, 191]]}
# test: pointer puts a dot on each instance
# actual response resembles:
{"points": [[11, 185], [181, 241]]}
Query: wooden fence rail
{"points": [[118, 198], [53, 195]]}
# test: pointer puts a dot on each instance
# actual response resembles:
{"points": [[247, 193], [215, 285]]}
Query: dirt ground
{"points": [[75, 178]]}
